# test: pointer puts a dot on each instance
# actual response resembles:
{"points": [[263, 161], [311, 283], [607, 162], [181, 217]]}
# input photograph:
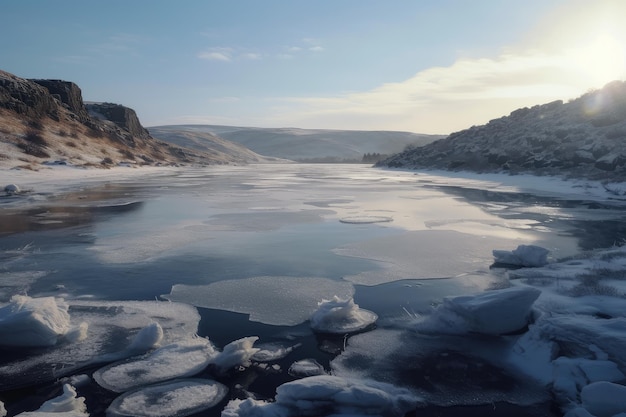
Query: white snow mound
{"points": [[341, 316], [524, 255], [30, 322]]}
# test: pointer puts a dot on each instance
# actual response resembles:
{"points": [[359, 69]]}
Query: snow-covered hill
{"points": [[303, 145], [585, 137]]}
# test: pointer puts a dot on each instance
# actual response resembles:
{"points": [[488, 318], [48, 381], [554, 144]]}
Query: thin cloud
{"points": [[217, 54], [468, 92], [316, 49]]}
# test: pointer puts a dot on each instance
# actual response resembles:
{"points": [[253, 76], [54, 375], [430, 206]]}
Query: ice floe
{"points": [[306, 367], [177, 398], [339, 315], [523, 255], [490, 312], [281, 301], [269, 352], [114, 333], [182, 359], [365, 219], [67, 404], [3, 411], [30, 322], [328, 395]]}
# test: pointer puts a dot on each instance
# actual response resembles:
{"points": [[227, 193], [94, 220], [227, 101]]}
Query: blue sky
{"points": [[416, 65]]}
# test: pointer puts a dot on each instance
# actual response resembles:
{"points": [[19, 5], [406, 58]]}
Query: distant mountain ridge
{"points": [[46, 121], [585, 137], [301, 145]]}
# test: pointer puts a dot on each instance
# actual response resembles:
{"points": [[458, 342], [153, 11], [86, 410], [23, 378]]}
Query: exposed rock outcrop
{"points": [[47, 121], [585, 137]]}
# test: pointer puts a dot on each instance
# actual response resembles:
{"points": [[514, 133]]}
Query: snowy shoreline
{"points": [[59, 177]]}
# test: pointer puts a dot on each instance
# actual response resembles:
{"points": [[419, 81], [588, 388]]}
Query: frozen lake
{"points": [[254, 249]]}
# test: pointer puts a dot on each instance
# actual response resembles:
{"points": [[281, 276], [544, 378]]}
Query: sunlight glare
{"points": [[601, 61]]}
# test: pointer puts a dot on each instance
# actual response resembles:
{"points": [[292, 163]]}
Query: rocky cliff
{"points": [[46, 121], [585, 137]]}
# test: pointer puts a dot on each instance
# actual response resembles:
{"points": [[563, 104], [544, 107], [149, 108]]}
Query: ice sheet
{"points": [[422, 255], [285, 301]]}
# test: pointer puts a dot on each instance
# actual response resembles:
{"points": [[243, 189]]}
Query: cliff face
{"points": [[47, 120], [585, 137]]}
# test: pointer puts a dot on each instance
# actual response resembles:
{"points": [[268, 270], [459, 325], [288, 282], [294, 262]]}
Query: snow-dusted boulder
{"points": [[325, 395], [31, 322], [524, 255], [66, 404], [604, 399], [341, 316], [491, 312], [179, 398], [177, 360]]}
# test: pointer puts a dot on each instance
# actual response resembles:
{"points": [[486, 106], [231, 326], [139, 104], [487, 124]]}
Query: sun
{"points": [[601, 60]]}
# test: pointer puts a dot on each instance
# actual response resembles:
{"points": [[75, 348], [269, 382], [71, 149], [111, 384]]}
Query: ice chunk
{"points": [[280, 301], [3, 411], [235, 353], [571, 374], [524, 255], [178, 398], [491, 312], [325, 395], [66, 404], [578, 412], [341, 316], [27, 321], [306, 367], [11, 189], [178, 360], [147, 338], [269, 352], [604, 399]]}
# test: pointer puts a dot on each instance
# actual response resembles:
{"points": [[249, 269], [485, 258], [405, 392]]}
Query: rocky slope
{"points": [[585, 137], [46, 121], [302, 145]]}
